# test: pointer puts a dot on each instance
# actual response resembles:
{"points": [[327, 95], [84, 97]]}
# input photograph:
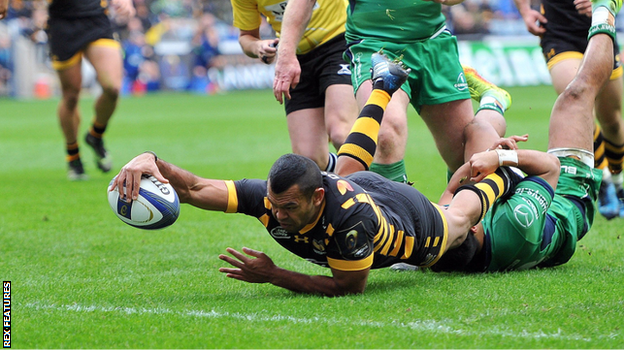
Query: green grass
{"points": [[83, 279]]}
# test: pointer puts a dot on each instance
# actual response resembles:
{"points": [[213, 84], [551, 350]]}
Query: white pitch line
{"points": [[421, 325]]}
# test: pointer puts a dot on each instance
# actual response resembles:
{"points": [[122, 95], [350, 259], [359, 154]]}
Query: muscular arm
{"points": [[287, 70], [261, 269], [209, 194]]}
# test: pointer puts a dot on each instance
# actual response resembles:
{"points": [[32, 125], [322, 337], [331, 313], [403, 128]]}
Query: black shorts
{"points": [[320, 68], [566, 32], [69, 36]]}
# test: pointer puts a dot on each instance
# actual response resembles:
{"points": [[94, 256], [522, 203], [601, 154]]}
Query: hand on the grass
{"points": [[256, 269], [128, 180]]}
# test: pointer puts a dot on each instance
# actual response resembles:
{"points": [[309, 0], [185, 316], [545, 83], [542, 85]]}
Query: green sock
{"points": [[394, 171]]}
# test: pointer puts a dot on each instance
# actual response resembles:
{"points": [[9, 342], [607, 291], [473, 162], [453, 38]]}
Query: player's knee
{"points": [[112, 91], [70, 98], [575, 91]]}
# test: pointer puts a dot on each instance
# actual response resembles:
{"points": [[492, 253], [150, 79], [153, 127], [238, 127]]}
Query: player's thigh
{"points": [[71, 80], [105, 56], [447, 122], [308, 136], [341, 111], [563, 72]]}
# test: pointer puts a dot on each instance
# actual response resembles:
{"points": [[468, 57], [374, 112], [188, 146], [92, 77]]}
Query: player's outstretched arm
{"points": [[259, 268], [209, 194]]}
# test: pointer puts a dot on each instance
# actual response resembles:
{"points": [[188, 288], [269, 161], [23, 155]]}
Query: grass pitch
{"points": [[83, 279]]}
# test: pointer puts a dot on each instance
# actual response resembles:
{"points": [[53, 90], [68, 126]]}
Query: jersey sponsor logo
{"points": [[279, 233], [524, 215], [343, 186], [461, 83], [344, 70], [277, 10], [534, 193]]}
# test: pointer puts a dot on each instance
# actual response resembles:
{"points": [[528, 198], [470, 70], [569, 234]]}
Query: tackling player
{"points": [[540, 224]]}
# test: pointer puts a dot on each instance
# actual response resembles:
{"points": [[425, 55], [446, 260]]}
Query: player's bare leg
{"points": [[105, 56], [308, 136], [69, 118], [340, 112]]}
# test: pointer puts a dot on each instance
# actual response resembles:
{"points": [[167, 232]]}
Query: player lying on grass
{"points": [[351, 225], [547, 214]]}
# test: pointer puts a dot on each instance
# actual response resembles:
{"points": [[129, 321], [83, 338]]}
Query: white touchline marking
{"points": [[427, 325]]}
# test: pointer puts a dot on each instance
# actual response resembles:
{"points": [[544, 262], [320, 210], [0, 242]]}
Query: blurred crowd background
{"points": [[190, 45]]}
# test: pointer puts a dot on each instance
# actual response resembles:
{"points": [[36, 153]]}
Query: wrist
{"points": [[153, 154], [507, 157]]}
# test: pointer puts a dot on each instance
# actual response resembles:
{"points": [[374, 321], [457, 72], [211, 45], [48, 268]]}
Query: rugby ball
{"points": [[157, 207]]}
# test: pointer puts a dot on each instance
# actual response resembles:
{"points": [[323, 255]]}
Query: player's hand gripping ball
{"points": [[157, 207]]}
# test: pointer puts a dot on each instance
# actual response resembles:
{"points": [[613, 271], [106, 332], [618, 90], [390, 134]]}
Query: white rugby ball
{"points": [[157, 207]]}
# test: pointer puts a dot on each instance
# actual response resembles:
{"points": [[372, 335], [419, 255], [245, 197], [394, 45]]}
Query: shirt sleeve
{"points": [[246, 14], [351, 246]]}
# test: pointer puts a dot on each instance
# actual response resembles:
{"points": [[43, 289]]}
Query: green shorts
{"points": [[437, 76], [538, 227]]}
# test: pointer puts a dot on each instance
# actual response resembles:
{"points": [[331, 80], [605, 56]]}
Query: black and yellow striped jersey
{"points": [[366, 221], [77, 8]]}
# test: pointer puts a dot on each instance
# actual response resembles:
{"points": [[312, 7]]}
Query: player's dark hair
{"points": [[292, 169], [459, 259]]}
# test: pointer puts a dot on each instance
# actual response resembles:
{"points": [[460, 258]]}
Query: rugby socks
{"points": [[73, 152], [600, 160], [361, 142], [331, 163], [97, 129], [615, 155], [491, 188], [603, 17]]}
